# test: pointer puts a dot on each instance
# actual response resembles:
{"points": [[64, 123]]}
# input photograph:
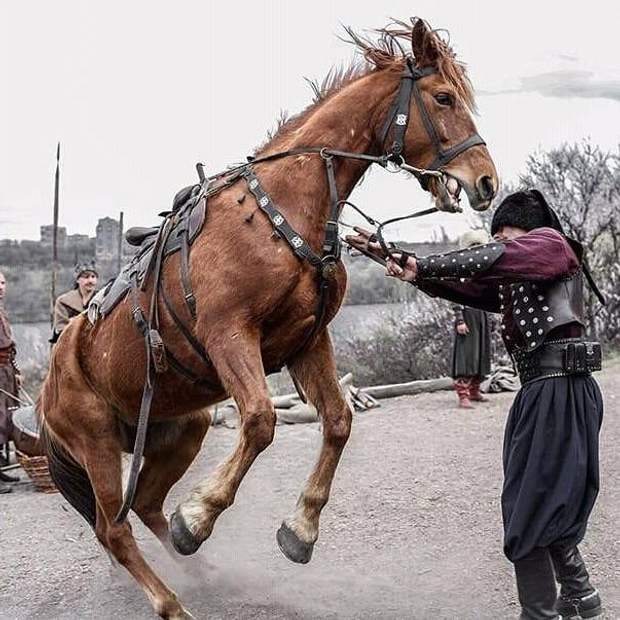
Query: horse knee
{"points": [[336, 430], [259, 425]]}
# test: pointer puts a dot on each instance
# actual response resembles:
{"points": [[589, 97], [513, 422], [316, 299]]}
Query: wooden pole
{"points": [[55, 234], [120, 243]]}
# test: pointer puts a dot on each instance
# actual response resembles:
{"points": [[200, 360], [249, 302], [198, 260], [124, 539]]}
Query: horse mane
{"points": [[379, 53]]}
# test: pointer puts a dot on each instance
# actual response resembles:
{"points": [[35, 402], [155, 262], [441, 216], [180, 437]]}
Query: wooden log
{"points": [[408, 389]]}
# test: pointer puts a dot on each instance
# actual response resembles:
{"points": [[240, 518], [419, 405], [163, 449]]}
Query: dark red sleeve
{"points": [[481, 295], [542, 254]]}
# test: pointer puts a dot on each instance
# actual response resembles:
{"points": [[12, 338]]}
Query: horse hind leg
{"points": [[167, 457], [315, 370], [100, 478], [239, 366]]}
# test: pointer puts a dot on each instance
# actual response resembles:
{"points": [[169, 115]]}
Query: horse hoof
{"points": [[182, 539], [292, 547]]}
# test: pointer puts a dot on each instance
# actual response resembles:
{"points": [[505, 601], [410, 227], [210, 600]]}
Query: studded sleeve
{"points": [[542, 254]]}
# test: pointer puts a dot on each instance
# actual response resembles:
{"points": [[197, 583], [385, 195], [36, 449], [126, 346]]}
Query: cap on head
{"points": [[84, 268], [526, 210]]}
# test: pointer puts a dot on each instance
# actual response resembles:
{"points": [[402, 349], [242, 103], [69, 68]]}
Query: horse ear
{"points": [[423, 43]]}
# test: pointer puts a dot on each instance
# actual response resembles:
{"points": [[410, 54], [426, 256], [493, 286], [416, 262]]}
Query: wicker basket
{"points": [[38, 471]]}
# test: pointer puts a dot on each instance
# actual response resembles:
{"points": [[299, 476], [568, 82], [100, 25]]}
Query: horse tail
{"points": [[70, 477]]}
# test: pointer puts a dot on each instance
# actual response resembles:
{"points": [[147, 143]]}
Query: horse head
{"points": [[429, 123]]}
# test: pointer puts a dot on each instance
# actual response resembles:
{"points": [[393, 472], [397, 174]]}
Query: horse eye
{"points": [[444, 99]]}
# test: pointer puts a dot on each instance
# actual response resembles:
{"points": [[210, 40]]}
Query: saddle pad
{"points": [[189, 220]]}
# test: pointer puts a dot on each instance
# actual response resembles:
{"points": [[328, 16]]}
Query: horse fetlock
{"points": [[170, 608]]}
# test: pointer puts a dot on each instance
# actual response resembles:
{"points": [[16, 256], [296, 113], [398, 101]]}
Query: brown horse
{"points": [[256, 303]]}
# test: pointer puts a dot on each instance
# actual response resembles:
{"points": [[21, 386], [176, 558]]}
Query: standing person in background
{"points": [[10, 382], [75, 301], [471, 352]]}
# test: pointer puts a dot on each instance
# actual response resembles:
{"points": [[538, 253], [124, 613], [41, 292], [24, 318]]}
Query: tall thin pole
{"points": [[55, 234], [120, 243]]}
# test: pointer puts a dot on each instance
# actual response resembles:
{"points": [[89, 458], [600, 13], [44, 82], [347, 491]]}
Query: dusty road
{"points": [[412, 530]]}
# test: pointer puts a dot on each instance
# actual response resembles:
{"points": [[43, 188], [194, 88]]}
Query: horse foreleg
{"points": [[240, 369], [315, 370], [165, 462]]}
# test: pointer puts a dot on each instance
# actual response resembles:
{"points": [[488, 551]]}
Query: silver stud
{"points": [[532, 344], [454, 260], [550, 319], [526, 299], [521, 322], [485, 258], [443, 264], [540, 298], [478, 265], [264, 201], [530, 310], [520, 289], [545, 308], [517, 311], [540, 332], [528, 334], [471, 260], [535, 319]]}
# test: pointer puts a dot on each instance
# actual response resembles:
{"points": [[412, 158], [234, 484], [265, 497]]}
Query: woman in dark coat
{"points": [[471, 352]]}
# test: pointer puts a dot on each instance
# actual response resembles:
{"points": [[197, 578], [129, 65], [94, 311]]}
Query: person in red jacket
{"points": [[532, 275]]}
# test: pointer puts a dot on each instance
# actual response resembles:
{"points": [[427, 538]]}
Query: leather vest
{"points": [[539, 307]]}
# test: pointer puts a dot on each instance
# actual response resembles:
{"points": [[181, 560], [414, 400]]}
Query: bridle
{"points": [[398, 120]]}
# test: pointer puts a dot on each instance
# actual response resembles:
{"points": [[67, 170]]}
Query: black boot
{"points": [[577, 596], [536, 586]]}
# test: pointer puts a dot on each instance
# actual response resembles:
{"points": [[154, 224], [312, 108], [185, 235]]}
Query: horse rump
{"points": [[70, 477]]}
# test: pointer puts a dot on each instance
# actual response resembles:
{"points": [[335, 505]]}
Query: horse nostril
{"points": [[486, 187]]}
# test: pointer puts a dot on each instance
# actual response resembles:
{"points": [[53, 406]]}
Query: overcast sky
{"points": [[137, 92]]}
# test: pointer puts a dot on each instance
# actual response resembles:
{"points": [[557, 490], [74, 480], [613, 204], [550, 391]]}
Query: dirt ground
{"points": [[412, 530]]}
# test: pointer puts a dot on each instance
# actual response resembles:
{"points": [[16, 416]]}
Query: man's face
{"points": [[87, 281], [507, 233], [2, 285]]}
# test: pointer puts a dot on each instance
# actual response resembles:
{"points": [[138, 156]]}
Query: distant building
{"points": [[47, 235], [106, 245], [78, 239]]}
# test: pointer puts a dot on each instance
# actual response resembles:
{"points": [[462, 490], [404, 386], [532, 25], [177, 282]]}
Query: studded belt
{"points": [[558, 358]]}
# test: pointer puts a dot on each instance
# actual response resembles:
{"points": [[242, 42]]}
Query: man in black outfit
{"points": [[532, 275]]}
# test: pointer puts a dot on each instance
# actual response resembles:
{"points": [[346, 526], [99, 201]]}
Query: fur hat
{"points": [[82, 268], [473, 237], [527, 210]]}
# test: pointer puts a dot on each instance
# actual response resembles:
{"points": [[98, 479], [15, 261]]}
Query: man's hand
{"points": [[462, 329], [408, 273], [362, 241]]}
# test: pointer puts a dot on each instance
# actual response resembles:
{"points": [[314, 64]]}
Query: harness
{"points": [[158, 356]]}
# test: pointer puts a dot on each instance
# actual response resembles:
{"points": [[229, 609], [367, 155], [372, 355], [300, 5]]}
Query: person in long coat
{"points": [[10, 382], [471, 352], [533, 276], [74, 302]]}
